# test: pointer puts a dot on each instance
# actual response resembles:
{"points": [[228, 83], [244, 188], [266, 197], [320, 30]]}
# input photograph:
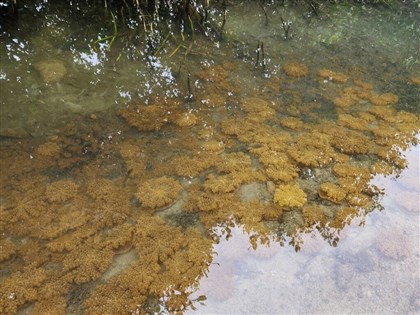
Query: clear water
{"points": [[357, 276], [246, 174]]}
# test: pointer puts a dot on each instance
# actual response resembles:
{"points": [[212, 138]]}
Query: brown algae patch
{"points": [[158, 192], [48, 149], [61, 190], [415, 80], [314, 215], [292, 123], [254, 163], [295, 70], [145, 117], [384, 99], [258, 109], [154, 114], [7, 249], [312, 150], [332, 192], [289, 196], [332, 76], [186, 120]]}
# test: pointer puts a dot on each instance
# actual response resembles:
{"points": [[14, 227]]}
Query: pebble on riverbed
{"points": [[51, 70]]}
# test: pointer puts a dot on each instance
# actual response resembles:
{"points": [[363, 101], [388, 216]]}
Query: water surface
{"points": [[271, 167]]}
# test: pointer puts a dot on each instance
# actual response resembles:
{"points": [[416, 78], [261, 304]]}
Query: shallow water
{"points": [[246, 174], [373, 269]]}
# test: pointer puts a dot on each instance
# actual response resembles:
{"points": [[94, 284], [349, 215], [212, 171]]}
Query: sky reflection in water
{"points": [[373, 269]]}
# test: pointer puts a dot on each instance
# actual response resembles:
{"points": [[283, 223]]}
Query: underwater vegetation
{"points": [[251, 167], [120, 212]]}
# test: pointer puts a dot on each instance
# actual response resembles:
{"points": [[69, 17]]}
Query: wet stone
{"points": [[292, 220], [183, 219], [13, 133], [51, 70], [254, 192]]}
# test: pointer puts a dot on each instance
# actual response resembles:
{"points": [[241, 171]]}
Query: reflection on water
{"points": [[374, 269], [171, 172]]}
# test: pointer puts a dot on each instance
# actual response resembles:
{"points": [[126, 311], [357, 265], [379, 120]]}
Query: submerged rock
{"points": [[51, 70], [254, 192], [13, 132]]}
